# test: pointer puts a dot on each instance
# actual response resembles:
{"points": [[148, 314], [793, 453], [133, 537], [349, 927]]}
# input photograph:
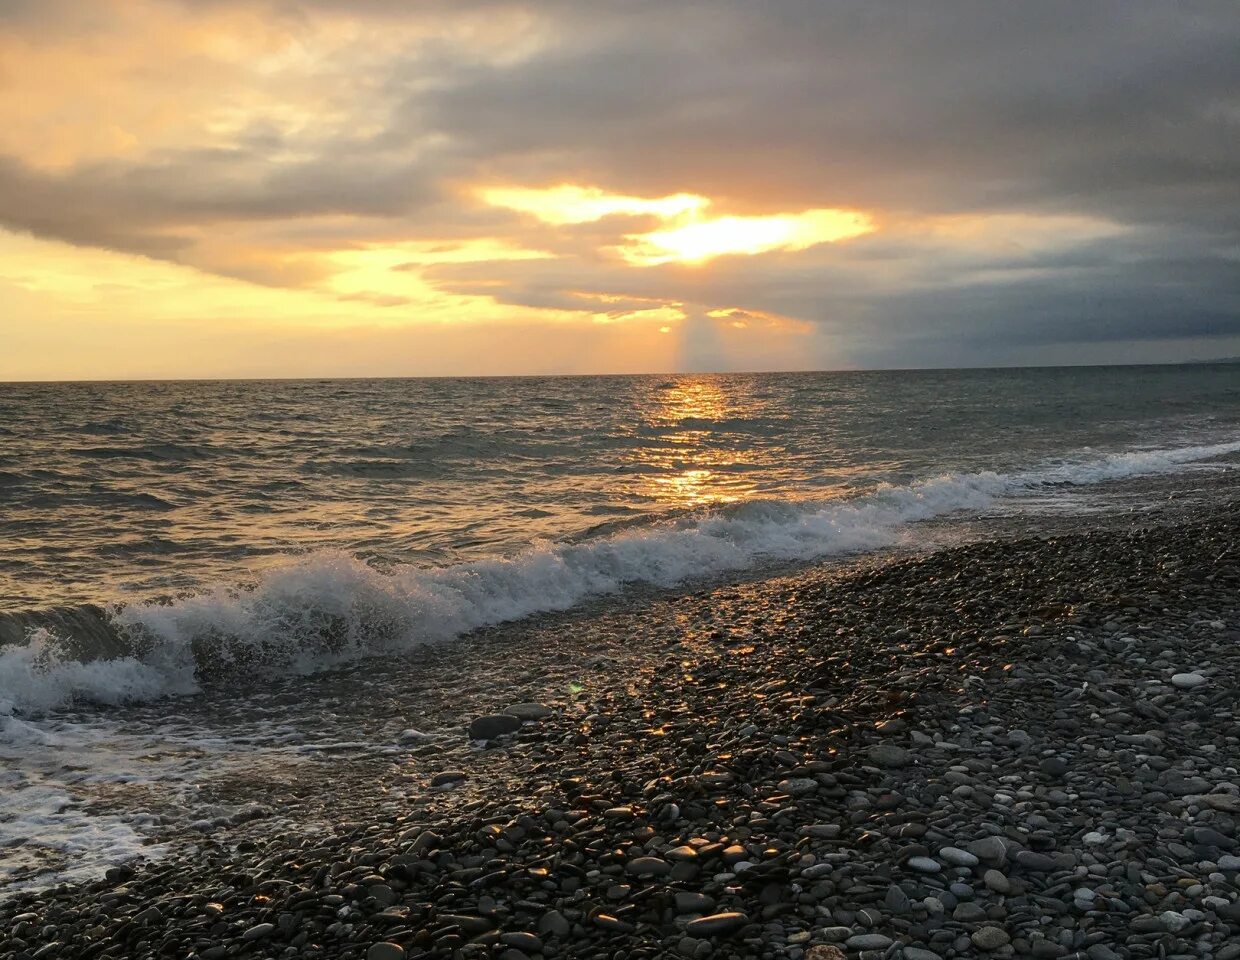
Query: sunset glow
{"points": [[570, 204], [423, 177], [703, 240]]}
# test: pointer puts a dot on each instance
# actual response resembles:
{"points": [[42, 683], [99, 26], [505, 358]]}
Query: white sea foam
{"points": [[81, 793], [328, 608]]}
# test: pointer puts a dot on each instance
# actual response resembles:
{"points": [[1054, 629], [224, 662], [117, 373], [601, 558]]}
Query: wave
{"points": [[328, 608]]}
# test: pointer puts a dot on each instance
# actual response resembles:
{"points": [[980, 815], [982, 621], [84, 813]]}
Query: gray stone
{"points": [[990, 938], [797, 786], [957, 857], [687, 901], [385, 951], [889, 755], [897, 900], [526, 942], [1186, 681], [1053, 766], [554, 924], [990, 849], [1036, 862], [528, 711], [868, 941]]}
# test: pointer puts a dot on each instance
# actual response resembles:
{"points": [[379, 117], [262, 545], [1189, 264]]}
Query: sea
{"points": [[186, 568]]}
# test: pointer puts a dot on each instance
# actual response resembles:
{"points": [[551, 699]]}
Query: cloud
{"points": [[1034, 174]]}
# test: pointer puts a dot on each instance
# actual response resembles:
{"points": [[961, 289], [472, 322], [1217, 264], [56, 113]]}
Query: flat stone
{"points": [[607, 922], [889, 755], [920, 953], [868, 941], [528, 711], [1187, 681], [1225, 802], [991, 849], [448, 777], [258, 931], [471, 926], [688, 901], [1036, 862], [492, 726], [523, 941], [924, 865], [385, 951], [648, 867], [797, 786], [957, 858], [716, 925]]}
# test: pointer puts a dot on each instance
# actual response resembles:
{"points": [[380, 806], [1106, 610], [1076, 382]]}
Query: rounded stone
{"points": [[492, 726], [990, 938], [957, 857]]}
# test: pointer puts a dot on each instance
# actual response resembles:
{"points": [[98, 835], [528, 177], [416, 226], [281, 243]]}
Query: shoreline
{"points": [[787, 777]]}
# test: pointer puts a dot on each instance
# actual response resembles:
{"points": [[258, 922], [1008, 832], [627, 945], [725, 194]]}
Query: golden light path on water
{"points": [[684, 471]]}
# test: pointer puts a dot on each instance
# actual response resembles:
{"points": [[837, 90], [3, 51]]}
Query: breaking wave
{"points": [[329, 608]]}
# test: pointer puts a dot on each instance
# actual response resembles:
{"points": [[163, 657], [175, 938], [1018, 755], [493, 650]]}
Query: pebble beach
{"points": [[1024, 746]]}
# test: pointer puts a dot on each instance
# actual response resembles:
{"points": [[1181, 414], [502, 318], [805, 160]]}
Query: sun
{"points": [[706, 239]]}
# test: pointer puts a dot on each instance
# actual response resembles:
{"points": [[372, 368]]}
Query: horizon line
{"points": [[1221, 361]]}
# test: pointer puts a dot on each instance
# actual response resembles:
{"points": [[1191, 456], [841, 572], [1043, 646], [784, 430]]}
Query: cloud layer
{"points": [[1038, 182]]}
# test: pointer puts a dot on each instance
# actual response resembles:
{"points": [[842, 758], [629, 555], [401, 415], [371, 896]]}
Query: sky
{"points": [[254, 188]]}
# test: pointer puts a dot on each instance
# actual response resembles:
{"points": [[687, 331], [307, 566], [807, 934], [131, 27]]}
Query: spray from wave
{"points": [[330, 608]]}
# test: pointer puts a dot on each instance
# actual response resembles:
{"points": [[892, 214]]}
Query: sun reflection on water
{"points": [[692, 458]]}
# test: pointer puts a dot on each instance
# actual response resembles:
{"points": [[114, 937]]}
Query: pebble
{"points": [[990, 938], [718, 924], [997, 881], [492, 726], [868, 941], [1187, 681], [958, 857], [528, 711]]}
